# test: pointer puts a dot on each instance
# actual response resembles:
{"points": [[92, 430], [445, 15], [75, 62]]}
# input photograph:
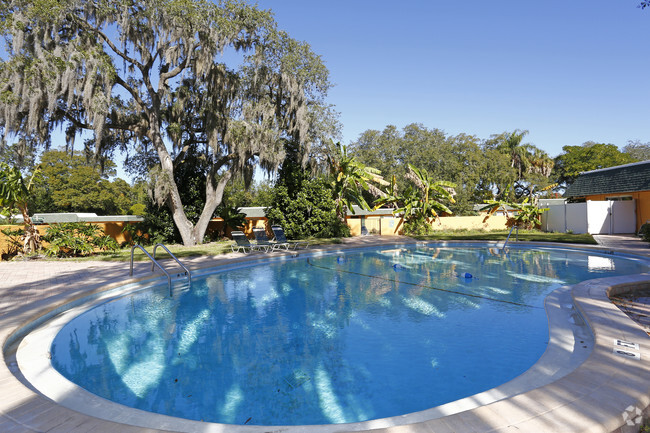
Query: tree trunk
{"points": [[341, 210], [213, 198], [190, 234], [32, 240], [184, 225]]}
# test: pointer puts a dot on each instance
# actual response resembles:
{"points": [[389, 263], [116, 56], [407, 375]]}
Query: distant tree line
{"points": [[484, 169]]}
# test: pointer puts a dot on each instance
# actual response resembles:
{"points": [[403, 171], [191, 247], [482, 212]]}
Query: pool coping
{"points": [[593, 397]]}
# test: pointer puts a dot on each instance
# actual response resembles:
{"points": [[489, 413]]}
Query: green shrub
{"points": [[308, 212], [417, 227], [644, 232], [77, 239], [232, 217], [158, 227]]}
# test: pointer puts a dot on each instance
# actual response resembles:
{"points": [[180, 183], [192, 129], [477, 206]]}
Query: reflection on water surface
{"points": [[329, 339]]}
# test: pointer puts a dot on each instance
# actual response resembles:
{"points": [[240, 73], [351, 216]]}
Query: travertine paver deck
{"points": [[592, 398]]}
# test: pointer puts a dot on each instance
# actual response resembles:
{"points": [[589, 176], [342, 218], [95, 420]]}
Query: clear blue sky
{"points": [[569, 71]]}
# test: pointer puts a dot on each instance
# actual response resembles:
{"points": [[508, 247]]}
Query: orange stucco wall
{"points": [[642, 204]]}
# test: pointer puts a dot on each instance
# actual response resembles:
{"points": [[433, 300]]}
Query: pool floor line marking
{"points": [[424, 286]]}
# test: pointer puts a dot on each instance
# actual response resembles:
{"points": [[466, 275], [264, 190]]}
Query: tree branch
{"points": [[124, 126], [224, 160], [150, 62], [165, 76], [108, 42], [76, 122], [132, 91]]}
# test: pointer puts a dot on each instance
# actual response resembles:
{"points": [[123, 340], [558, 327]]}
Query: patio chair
{"points": [[242, 244], [278, 231], [262, 239]]}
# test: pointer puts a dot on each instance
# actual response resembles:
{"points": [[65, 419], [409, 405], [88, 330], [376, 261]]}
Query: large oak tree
{"points": [[153, 74]]}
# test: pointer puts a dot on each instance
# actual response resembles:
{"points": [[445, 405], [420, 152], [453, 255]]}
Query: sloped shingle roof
{"points": [[622, 178]]}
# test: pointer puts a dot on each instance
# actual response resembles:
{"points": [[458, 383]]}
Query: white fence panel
{"points": [[624, 216], [598, 217], [576, 217], [555, 219], [594, 217]]}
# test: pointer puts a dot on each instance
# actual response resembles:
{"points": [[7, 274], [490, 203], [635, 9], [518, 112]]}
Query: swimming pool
{"points": [[331, 339]]}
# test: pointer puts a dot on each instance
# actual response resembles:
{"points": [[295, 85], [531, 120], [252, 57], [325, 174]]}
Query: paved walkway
{"points": [[630, 243], [29, 288]]}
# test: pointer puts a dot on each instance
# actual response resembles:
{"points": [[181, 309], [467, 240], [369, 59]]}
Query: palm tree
{"points": [[350, 178], [519, 153], [14, 192], [531, 163], [540, 163]]}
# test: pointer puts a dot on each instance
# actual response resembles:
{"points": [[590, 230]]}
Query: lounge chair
{"points": [[262, 239], [281, 237], [242, 244]]}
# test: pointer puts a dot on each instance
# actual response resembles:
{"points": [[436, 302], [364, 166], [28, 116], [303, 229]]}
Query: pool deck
{"points": [[604, 394]]}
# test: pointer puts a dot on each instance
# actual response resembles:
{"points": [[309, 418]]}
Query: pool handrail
{"points": [[169, 277], [509, 234], [187, 271]]}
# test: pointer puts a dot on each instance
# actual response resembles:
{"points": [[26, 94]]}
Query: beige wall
{"points": [[495, 222], [387, 225]]}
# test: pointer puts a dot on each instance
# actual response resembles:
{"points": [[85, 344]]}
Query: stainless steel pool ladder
{"points": [[187, 271], [154, 262], [509, 234]]}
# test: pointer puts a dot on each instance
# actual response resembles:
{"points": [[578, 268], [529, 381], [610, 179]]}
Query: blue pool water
{"points": [[328, 339]]}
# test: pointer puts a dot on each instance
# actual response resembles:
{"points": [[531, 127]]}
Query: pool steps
{"points": [[154, 262]]}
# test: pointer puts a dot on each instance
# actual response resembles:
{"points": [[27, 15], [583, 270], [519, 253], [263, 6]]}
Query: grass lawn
{"points": [[222, 247], [207, 249], [124, 254]]}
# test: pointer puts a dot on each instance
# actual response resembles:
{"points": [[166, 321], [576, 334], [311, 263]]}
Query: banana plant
{"points": [[525, 215], [492, 206], [14, 193], [350, 178], [431, 193], [420, 203]]}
